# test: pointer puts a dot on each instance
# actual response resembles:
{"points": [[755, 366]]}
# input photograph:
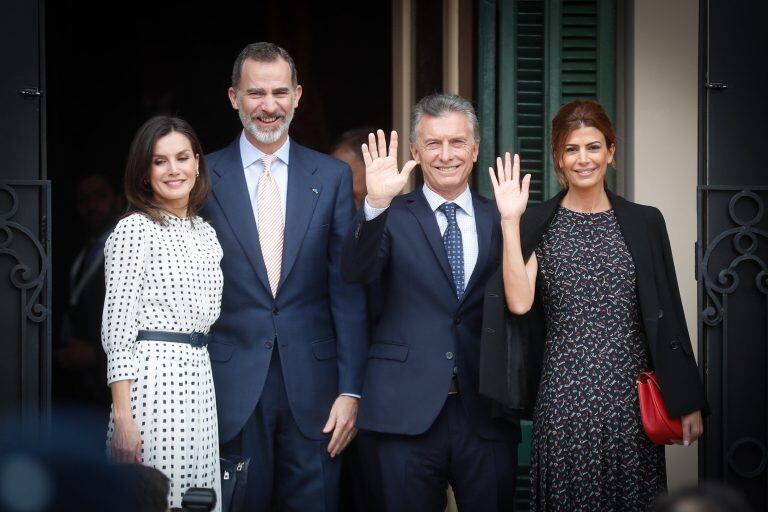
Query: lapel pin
{"points": [[315, 191]]}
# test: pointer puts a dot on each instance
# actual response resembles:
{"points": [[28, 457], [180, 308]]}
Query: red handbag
{"points": [[659, 427]]}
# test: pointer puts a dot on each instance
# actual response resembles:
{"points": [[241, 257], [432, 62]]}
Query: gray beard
{"points": [[266, 136]]}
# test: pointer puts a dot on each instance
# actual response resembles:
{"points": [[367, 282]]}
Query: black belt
{"points": [[196, 339]]}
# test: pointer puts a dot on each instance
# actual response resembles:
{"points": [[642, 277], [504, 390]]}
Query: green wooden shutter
{"points": [[533, 57], [521, 128], [581, 57], [511, 99], [486, 77]]}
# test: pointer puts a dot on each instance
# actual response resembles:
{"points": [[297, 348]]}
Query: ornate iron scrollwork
{"points": [[727, 278], [718, 284], [28, 279]]}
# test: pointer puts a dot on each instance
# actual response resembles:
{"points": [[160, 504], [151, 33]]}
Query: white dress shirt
{"points": [[253, 166], [465, 218]]}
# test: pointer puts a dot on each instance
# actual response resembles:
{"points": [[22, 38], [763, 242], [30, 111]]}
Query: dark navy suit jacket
{"points": [[318, 320], [423, 330]]}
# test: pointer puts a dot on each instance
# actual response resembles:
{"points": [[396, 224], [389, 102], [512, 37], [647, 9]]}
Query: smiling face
{"points": [[446, 150], [173, 172], [585, 158], [265, 100]]}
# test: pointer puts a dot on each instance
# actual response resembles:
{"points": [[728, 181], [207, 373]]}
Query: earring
{"points": [[197, 173]]}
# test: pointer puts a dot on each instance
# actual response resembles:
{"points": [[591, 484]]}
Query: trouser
{"points": [[288, 471]]}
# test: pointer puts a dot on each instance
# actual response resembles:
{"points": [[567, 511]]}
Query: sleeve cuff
{"points": [[353, 395], [371, 212], [121, 365]]}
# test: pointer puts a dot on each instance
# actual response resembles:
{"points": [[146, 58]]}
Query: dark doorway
{"points": [[733, 246], [108, 73], [25, 279]]}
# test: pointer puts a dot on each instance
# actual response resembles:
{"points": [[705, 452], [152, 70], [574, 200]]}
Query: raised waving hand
{"points": [[511, 199], [511, 194], [382, 178]]}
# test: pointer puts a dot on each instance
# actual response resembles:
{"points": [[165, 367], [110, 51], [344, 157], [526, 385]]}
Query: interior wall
{"points": [[662, 167]]}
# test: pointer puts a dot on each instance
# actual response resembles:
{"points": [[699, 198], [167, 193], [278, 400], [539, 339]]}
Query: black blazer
{"points": [[512, 346]]}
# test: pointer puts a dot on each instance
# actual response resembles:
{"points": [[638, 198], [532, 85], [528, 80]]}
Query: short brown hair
{"points": [[138, 191], [572, 116], [263, 52]]}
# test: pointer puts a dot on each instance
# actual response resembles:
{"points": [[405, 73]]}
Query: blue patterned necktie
{"points": [[454, 248]]}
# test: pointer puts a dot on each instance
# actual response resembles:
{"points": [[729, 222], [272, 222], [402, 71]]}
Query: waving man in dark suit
{"points": [[434, 250]]}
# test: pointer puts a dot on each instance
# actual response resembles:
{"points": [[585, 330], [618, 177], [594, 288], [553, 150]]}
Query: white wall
{"points": [[661, 166]]}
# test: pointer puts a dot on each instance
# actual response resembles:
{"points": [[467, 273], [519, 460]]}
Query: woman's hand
{"points": [[511, 200], [125, 445], [693, 427], [511, 194], [126, 442]]}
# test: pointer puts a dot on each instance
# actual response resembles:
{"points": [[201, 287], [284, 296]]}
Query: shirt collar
{"points": [[251, 154], [464, 201]]}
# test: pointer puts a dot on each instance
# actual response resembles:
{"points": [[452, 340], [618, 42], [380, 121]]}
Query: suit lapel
{"points": [[420, 209], [231, 192], [636, 236], [303, 191], [484, 220]]}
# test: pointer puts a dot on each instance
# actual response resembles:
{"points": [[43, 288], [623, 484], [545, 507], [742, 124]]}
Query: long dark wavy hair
{"points": [[138, 191]]}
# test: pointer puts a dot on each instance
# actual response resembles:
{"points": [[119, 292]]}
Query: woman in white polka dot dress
{"points": [[164, 282]]}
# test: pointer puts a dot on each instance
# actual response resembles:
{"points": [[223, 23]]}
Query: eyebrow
{"points": [[587, 144], [177, 154], [261, 90]]}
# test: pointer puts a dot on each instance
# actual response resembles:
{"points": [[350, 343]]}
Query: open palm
{"points": [[382, 178], [511, 194]]}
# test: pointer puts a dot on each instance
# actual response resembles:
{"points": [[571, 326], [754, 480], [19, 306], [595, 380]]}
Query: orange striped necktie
{"points": [[271, 223]]}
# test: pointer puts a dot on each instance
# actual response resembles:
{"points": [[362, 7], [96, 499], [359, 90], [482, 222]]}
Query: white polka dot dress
{"points": [[166, 278]]}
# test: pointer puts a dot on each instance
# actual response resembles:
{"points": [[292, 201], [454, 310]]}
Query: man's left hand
{"points": [[341, 422]]}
